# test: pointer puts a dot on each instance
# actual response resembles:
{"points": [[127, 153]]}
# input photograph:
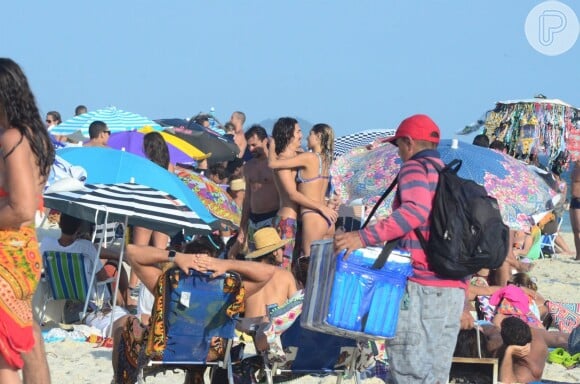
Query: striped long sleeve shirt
{"points": [[411, 209]]}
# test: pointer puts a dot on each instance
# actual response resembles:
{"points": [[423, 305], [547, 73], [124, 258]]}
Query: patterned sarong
{"points": [[20, 268]]}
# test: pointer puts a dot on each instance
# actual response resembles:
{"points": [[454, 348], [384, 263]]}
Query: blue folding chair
{"points": [[316, 353], [197, 310]]}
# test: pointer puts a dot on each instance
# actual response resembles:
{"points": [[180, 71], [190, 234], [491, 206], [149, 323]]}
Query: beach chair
{"points": [[549, 241], [310, 352], [67, 280], [193, 322]]}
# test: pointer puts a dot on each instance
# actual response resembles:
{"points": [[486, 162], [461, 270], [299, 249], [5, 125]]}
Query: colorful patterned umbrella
{"points": [[214, 197], [364, 174], [117, 120]]}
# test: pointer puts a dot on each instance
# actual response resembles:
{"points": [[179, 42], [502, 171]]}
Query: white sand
{"points": [[81, 362]]}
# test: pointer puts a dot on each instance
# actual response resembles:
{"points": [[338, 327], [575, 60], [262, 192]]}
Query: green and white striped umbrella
{"points": [[117, 120]]}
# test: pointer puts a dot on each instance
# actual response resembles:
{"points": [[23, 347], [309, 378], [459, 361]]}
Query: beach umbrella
{"points": [[111, 166], [182, 145], [214, 197], [132, 141], [117, 120], [208, 141], [346, 143], [137, 204], [366, 174]]}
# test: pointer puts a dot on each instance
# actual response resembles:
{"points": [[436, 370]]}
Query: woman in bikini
{"points": [[26, 156], [312, 179]]}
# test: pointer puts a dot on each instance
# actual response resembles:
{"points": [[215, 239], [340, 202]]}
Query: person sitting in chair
{"points": [[71, 242]]}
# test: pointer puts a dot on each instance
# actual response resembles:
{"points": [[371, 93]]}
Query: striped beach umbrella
{"points": [[345, 144], [137, 204], [117, 120]]}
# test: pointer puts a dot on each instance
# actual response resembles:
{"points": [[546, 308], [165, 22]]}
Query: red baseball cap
{"points": [[417, 127]]}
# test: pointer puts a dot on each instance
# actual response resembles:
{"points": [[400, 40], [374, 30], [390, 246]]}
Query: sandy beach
{"points": [[82, 362]]}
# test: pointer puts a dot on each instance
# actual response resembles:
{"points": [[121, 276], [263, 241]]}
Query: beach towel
{"points": [[566, 316], [20, 267]]}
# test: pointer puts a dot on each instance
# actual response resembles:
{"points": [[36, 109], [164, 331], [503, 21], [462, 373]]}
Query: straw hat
{"points": [[267, 240], [238, 185]]}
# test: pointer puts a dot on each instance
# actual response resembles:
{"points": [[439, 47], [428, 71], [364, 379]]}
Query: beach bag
{"points": [[467, 232]]}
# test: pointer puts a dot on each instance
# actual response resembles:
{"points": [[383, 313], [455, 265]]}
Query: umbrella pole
{"points": [[119, 270], [94, 272]]}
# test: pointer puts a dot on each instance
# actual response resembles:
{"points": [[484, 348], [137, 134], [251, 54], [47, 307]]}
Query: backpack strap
{"points": [[390, 245], [382, 198], [454, 166]]}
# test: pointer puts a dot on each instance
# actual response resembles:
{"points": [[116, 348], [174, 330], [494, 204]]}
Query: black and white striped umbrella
{"points": [[137, 204], [345, 144]]}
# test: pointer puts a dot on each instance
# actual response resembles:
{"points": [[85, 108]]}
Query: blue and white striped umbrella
{"points": [[117, 120], [138, 204]]}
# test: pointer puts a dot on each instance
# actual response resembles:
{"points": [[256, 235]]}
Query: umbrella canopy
{"points": [[132, 141], [138, 204], [208, 141], [117, 120], [111, 166], [214, 197], [520, 191], [182, 145], [347, 143]]}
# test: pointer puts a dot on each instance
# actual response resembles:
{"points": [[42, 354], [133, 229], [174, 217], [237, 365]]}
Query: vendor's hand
{"points": [[349, 241], [467, 321]]}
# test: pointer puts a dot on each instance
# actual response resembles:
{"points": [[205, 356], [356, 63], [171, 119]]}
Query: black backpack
{"points": [[467, 232]]}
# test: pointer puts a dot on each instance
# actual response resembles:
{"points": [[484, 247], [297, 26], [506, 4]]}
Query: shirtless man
{"points": [[99, 134], [238, 119], [261, 200], [575, 207], [526, 350]]}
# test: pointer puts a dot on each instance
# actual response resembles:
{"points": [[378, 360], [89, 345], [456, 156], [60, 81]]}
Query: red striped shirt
{"points": [[411, 209]]}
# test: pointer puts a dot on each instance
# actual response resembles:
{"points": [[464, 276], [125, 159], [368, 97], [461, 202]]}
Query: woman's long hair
{"points": [[18, 109], [326, 141], [155, 148]]}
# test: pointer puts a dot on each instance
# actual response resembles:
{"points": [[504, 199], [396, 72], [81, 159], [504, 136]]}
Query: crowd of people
{"points": [[284, 193]]}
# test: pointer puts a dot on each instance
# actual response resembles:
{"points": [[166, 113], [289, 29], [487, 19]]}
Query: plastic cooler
{"points": [[349, 298]]}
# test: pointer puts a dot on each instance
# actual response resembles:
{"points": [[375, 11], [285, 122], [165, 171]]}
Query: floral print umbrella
{"points": [[521, 192], [212, 196]]}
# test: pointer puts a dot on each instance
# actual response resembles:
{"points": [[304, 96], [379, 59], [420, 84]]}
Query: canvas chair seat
{"points": [[67, 280], [193, 321], [548, 242]]}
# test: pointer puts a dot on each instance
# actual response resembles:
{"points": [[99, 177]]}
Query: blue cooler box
{"points": [[349, 298]]}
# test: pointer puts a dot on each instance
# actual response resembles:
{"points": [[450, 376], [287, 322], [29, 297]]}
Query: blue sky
{"points": [[353, 64]]}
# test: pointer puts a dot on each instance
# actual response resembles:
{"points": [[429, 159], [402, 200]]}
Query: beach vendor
{"points": [[429, 320], [26, 156]]}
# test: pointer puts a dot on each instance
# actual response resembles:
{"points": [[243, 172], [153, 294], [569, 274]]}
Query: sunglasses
{"points": [[107, 132], [50, 121]]}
